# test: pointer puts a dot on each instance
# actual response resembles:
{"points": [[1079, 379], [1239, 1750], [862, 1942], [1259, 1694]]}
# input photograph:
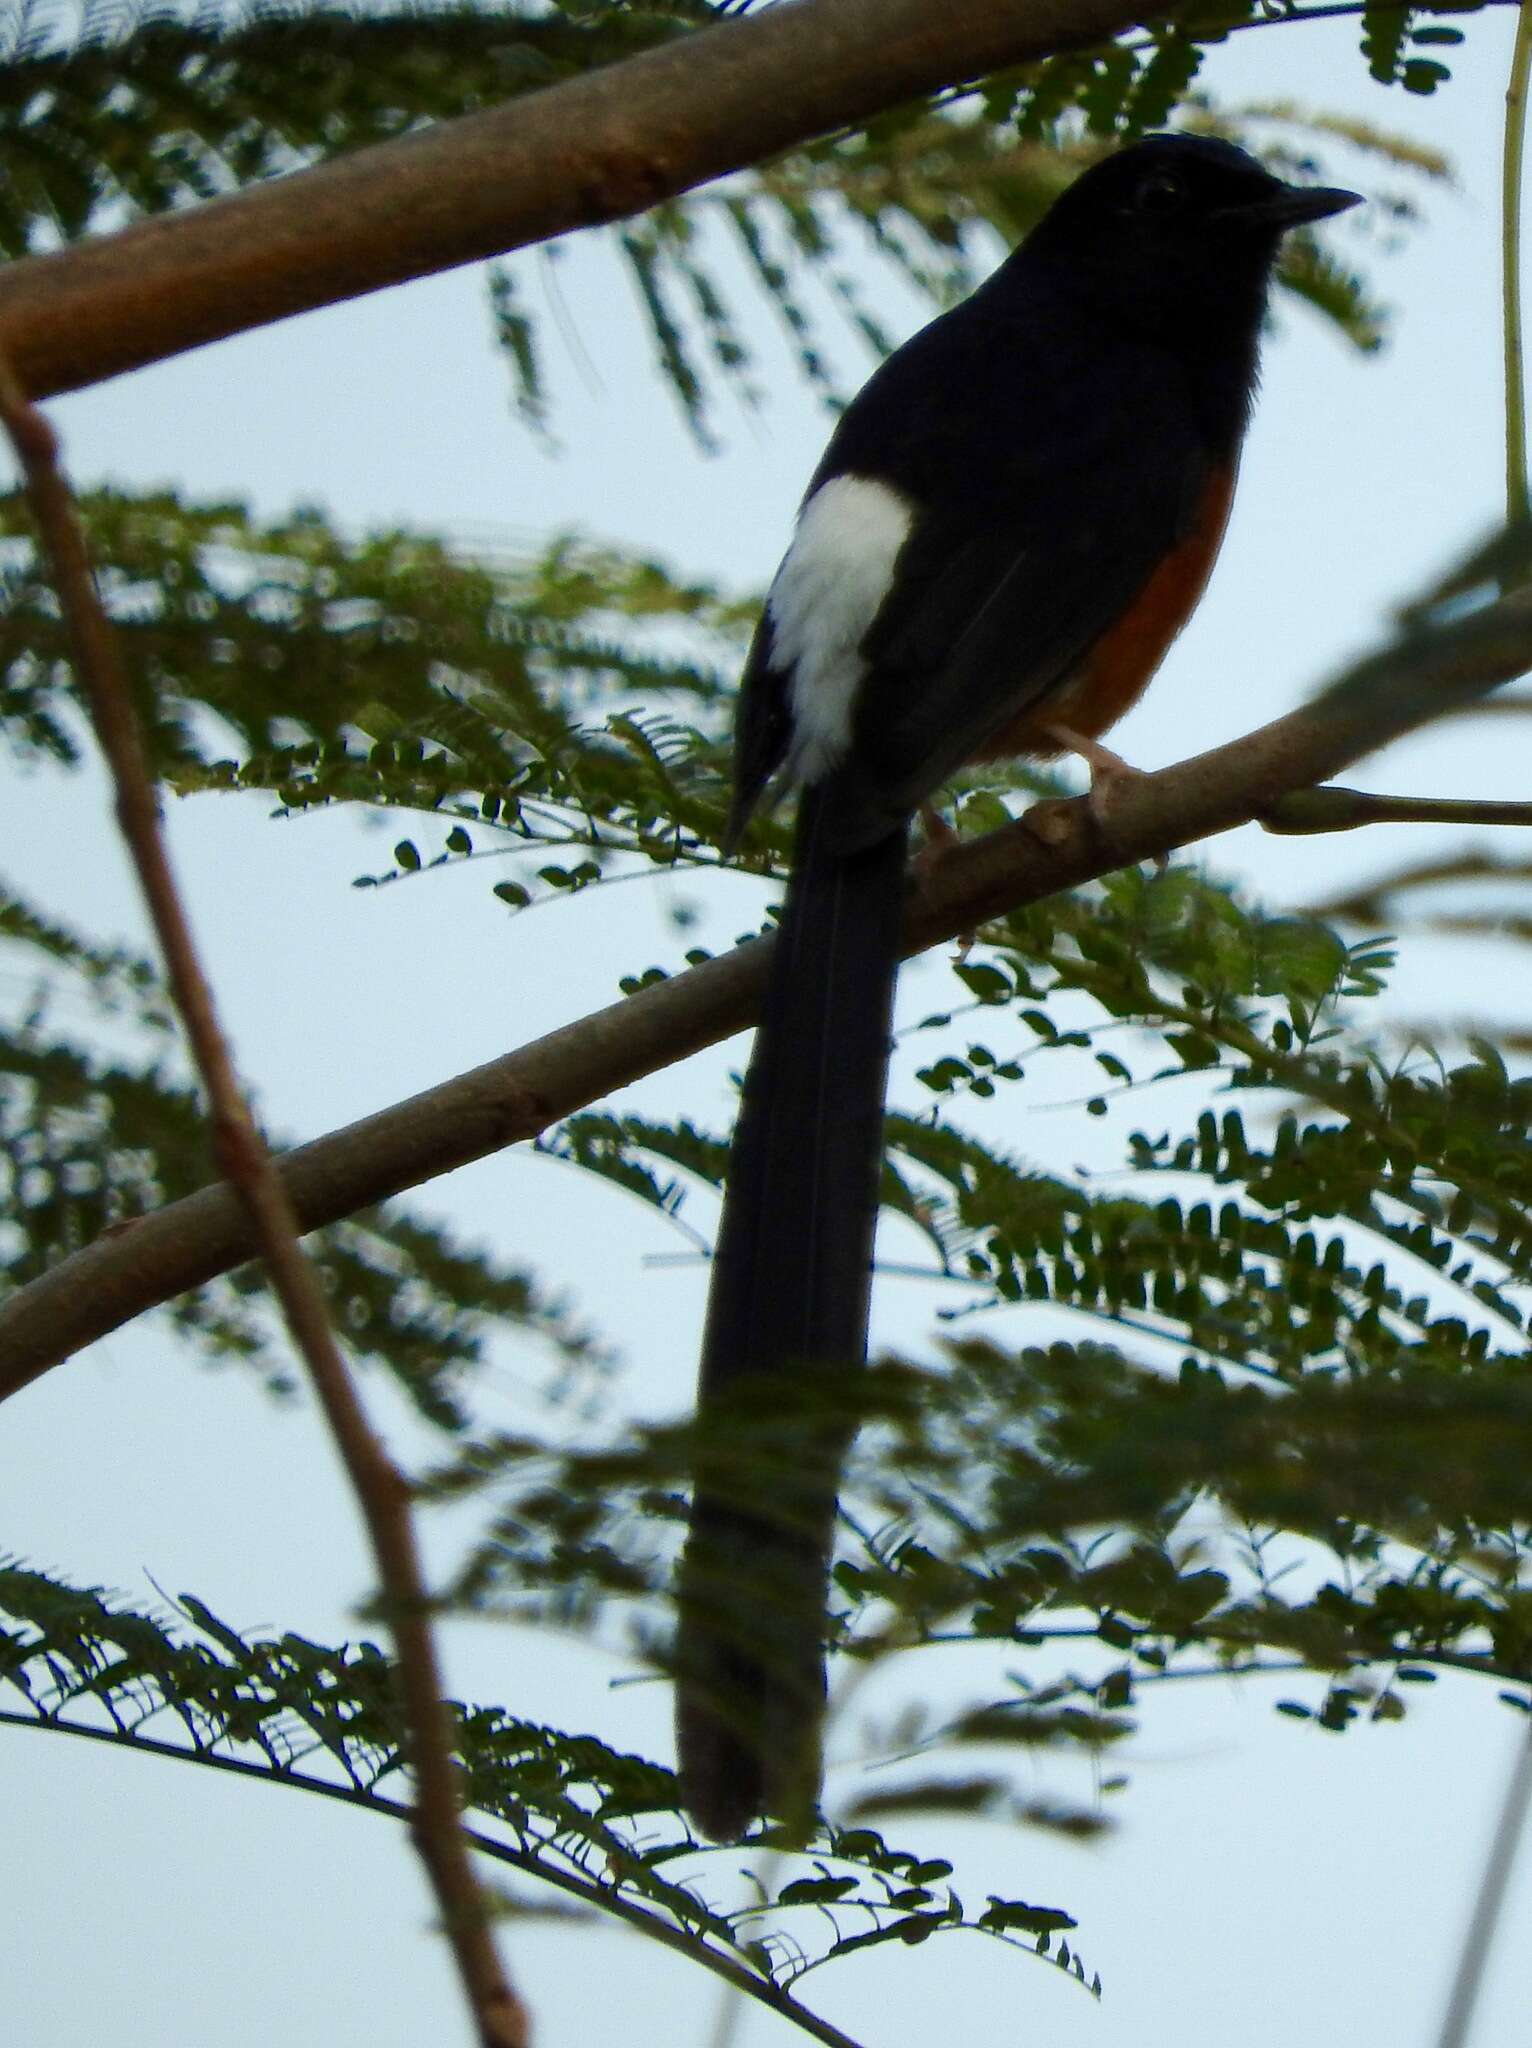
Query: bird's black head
{"points": [[1176, 233]]}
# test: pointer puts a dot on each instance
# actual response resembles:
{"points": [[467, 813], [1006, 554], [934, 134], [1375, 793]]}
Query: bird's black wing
{"points": [[999, 433], [1001, 595]]}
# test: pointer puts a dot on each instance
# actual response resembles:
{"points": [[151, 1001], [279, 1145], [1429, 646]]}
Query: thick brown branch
{"points": [[267, 1214], [593, 149], [142, 1264]]}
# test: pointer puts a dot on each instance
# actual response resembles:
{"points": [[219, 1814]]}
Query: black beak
{"points": [[1295, 206]]}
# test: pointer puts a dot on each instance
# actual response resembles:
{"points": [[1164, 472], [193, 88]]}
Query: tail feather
{"points": [[789, 1300]]}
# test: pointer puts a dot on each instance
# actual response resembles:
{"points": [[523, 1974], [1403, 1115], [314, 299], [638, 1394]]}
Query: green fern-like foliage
{"points": [[573, 701], [142, 108], [1291, 1437], [1255, 1400], [1252, 1401], [393, 671], [582, 1819]]}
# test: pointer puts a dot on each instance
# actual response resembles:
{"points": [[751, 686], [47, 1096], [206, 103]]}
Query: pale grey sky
{"points": [[1267, 1883]]}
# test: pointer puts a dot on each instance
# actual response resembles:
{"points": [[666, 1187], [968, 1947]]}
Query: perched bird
{"points": [[1012, 522]]}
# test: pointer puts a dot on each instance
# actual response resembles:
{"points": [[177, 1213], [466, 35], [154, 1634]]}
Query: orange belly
{"points": [[1113, 675]]}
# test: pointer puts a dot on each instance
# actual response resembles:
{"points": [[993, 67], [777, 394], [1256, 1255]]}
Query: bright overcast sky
{"points": [[1266, 1883]]}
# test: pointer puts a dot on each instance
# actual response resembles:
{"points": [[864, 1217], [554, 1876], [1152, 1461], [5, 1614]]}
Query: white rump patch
{"points": [[828, 591]]}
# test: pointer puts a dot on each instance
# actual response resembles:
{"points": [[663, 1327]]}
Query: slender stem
{"points": [[381, 1490], [1477, 1942], [1334, 808], [1516, 497]]}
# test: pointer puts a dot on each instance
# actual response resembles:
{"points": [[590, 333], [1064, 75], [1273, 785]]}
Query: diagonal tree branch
{"points": [[141, 1264], [593, 149]]}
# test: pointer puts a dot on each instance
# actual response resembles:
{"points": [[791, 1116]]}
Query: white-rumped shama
{"points": [[1012, 522]]}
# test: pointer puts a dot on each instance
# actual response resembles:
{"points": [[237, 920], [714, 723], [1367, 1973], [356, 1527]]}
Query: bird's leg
{"points": [[1106, 768], [1108, 772]]}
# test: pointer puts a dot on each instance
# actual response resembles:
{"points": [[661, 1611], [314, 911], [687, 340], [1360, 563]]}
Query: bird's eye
{"points": [[1161, 193]]}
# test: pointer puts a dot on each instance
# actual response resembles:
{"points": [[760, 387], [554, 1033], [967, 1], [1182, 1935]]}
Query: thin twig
{"points": [[1469, 1975], [1516, 503], [381, 1490], [1335, 808]]}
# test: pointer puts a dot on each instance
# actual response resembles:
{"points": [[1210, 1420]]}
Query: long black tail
{"points": [[789, 1299]]}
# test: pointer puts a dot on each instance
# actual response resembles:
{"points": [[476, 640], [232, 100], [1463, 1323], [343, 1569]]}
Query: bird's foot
{"points": [[1108, 771], [1049, 821]]}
